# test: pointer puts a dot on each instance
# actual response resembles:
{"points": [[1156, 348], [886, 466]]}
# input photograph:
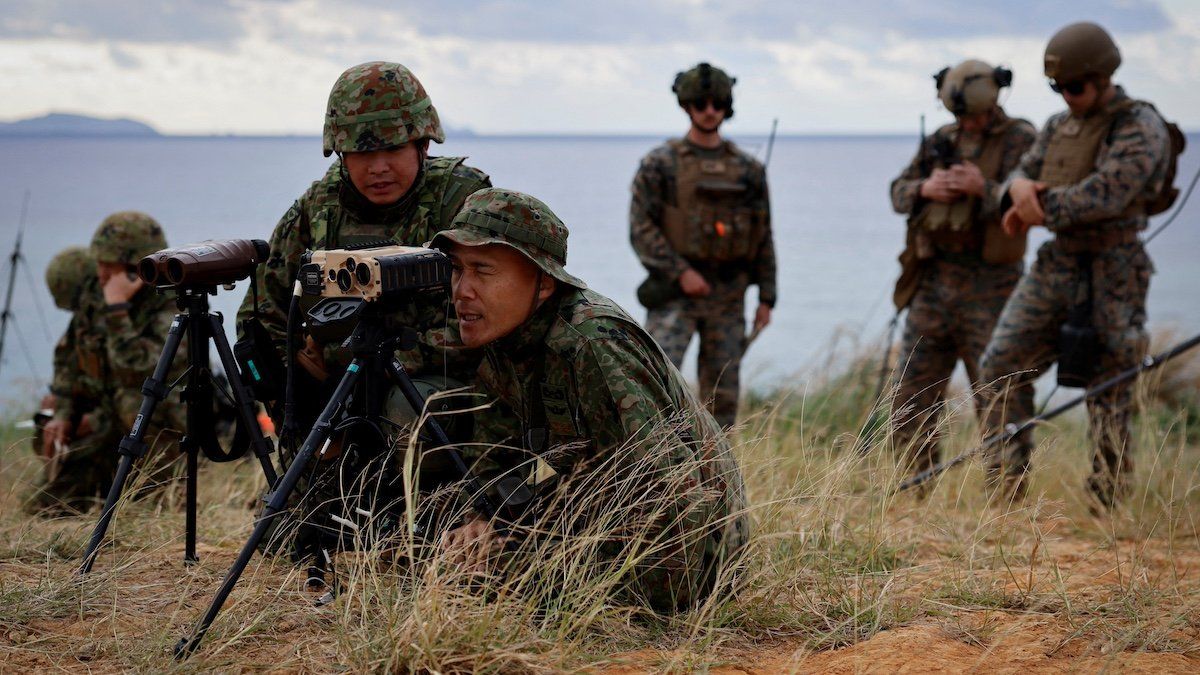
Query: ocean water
{"points": [[835, 233]]}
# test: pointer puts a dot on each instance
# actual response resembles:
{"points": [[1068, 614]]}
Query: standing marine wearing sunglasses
{"points": [[700, 222], [1094, 175]]}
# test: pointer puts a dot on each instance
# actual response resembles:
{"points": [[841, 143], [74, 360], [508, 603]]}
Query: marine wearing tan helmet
{"points": [[1080, 51], [971, 87]]}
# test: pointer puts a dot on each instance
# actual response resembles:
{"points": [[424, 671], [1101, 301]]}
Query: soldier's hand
{"points": [[312, 358], [86, 426], [937, 187], [1012, 224], [470, 545], [694, 285], [762, 317], [1026, 199], [49, 401], [57, 432], [120, 288], [966, 178]]}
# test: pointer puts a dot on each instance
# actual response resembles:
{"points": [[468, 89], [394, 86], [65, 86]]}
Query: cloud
{"points": [[203, 21], [648, 21], [515, 66]]}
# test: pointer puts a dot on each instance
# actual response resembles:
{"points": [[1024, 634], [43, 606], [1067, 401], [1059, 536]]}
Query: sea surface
{"points": [[835, 233]]}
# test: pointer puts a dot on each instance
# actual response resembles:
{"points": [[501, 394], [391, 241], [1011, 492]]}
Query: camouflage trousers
{"points": [[1026, 342], [950, 319], [80, 475], [720, 321]]}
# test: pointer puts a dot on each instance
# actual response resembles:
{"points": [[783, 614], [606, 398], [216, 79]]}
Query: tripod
{"points": [[373, 355], [199, 325]]}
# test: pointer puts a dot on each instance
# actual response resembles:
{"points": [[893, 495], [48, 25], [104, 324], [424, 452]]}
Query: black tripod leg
{"points": [[132, 446], [243, 401], [198, 396], [275, 504]]}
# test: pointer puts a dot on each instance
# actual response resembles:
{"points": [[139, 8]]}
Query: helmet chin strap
{"points": [[422, 155], [537, 290]]}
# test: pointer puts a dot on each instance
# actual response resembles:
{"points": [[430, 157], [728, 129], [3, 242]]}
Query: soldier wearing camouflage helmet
{"points": [[379, 120], [76, 469], [1094, 174], [958, 267], [577, 388], [113, 344], [700, 223]]}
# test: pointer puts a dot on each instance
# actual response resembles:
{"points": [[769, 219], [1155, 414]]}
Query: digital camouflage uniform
{"points": [[957, 296], [720, 317], [373, 106], [80, 471], [105, 357], [134, 335], [1095, 221], [585, 385]]}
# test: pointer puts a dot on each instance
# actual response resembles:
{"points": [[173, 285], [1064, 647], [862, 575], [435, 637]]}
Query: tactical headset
{"points": [[1001, 77]]}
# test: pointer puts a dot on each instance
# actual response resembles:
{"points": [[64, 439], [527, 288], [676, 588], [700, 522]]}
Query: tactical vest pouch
{"points": [[711, 220], [1001, 249], [953, 217], [1169, 193], [656, 292], [1078, 354], [259, 361], [1078, 343]]}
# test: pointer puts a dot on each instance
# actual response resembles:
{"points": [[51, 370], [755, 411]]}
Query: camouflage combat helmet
{"points": [[705, 82], [971, 87], [498, 216], [126, 237], [1081, 50], [66, 274], [378, 105]]}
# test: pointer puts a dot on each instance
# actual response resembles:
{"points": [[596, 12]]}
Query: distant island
{"points": [[65, 124]]}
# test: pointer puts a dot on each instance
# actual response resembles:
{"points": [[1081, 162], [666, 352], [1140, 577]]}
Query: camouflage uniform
{"points": [[372, 106], [958, 295], [134, 335], [106, 356], [333, 213], [589, 393], [720, 317], [1095, 221], [81, 470]]}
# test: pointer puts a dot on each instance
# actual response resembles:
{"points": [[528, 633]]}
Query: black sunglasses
{"points": [[703, 104], [1074, 87]]}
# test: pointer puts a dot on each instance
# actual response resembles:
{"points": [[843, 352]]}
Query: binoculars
{"points": [[207, 263]]}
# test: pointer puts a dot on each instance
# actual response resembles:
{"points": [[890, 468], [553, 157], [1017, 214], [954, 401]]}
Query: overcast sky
{"points": [[574, 66]]}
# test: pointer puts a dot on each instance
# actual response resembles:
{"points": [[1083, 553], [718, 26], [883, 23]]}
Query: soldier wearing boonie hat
{"points": [[572, 379]]}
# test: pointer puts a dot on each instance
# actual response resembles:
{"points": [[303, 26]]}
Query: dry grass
{"points": [[842, 572]]}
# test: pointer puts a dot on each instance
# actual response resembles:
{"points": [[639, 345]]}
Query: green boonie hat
{"points": [[126, 237], [705, 81], [1080, 50], [66, 274], [499, 216], [378, 105]]}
